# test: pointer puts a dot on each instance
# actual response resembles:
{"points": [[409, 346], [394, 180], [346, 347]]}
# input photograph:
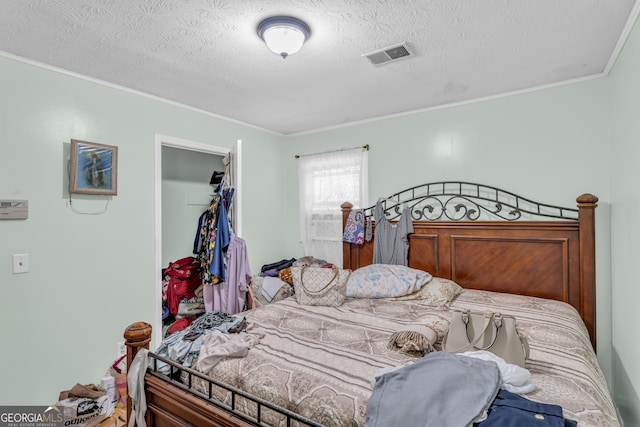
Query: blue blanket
{"points": [[440, 389]]}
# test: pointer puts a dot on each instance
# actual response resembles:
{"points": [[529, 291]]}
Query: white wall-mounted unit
{"points": [[14, 209]]}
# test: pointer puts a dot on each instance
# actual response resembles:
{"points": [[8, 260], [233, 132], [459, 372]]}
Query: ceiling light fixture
{"points": [[283, 35]]}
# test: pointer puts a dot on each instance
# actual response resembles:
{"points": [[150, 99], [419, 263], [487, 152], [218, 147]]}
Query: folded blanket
{"points": [[420, 336], [191, 306], [418, 339]]}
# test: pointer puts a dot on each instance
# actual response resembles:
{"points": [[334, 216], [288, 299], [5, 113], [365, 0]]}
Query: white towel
{"points": [[514, 378], [271, 286]]}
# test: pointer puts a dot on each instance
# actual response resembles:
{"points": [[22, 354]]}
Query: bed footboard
{"points": [[167, 404], [173, 403], [170, 406]]}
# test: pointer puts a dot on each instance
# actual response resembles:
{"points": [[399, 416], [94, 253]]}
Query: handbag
{"points": [[490, 331], [320, 286]]}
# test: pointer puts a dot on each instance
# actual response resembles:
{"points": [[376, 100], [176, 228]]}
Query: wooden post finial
{"points": [[137, 336], [587, 199]]}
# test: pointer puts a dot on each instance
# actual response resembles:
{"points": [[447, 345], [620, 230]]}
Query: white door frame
{"points": [[183, 144]]}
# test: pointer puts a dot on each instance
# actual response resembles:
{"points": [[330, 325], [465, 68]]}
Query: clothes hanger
{"points": [[216, 177], [392, 207], [392, 202]]}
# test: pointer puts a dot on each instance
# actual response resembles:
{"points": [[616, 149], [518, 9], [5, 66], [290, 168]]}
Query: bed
{"points": [[315, 365]]}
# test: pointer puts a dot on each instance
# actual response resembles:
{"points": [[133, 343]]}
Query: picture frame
{"points": [[93, 168]]}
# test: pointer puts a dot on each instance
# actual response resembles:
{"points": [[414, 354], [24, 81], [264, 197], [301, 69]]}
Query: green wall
{"points": [[92, 275], [625, 232], [550, 145]]}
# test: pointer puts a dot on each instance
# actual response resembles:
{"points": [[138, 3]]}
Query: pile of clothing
{"points": [[182, 294], [445, 389], [207, 340], [273, 269], [275, 283]]}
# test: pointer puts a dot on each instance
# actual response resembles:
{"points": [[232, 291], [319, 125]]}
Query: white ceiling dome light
{"points": [[283, 35]]}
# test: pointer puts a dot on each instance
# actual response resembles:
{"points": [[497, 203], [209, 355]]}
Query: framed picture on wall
{"points": [[93, 169]]}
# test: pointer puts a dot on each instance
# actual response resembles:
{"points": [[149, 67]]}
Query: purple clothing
{"points": [[271, 273], [229, 296], [223, 236]]}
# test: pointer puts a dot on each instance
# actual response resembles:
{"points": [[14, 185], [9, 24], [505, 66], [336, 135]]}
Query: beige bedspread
{"points": [[321, 361]]}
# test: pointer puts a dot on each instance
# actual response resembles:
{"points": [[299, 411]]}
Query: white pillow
{"points": [[437, 293], [385, 281]]}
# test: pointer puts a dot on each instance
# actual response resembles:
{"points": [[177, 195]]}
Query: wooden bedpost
{"points": [[137, 336], [346, 247], [586, 207]]}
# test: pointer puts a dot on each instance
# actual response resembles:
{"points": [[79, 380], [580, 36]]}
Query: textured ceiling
{"points": [[206, 53]]}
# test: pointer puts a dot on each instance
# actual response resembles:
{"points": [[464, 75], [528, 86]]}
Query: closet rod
{"points": [[297, 156]]}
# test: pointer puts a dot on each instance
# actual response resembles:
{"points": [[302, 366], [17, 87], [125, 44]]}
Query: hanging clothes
{"points": [[223, 256], [230, 296], [391, 242], [354, 229], [223, 236], [213, 236], [206, 238]]}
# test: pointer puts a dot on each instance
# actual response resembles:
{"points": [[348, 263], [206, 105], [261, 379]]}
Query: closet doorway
{"points": [[182, 191]]}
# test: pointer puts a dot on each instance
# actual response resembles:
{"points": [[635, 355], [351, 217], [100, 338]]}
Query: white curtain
{"points": [[326, 180]]}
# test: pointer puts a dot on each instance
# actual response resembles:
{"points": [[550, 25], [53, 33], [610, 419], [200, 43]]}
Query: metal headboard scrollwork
{"points": [[466, 201]]}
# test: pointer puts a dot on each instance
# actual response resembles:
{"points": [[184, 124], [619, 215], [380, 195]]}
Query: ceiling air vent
{"points": [[388, 54]]}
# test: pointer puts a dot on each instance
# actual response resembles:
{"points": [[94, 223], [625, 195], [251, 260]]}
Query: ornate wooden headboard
{"points": [[486, 238]]}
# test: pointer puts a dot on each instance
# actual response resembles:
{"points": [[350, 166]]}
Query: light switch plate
{"points": [[20, 263]]}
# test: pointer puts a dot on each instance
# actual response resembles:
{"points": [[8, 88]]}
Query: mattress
{"points": [[321, 362]]}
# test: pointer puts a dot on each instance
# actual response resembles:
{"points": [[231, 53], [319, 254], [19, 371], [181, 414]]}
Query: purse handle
{"points": [[489, 316], [497, 321], [321, 291], [487, 322]]}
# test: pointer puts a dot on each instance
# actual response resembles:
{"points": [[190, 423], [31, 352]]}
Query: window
{"points": [[326, 181]]}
